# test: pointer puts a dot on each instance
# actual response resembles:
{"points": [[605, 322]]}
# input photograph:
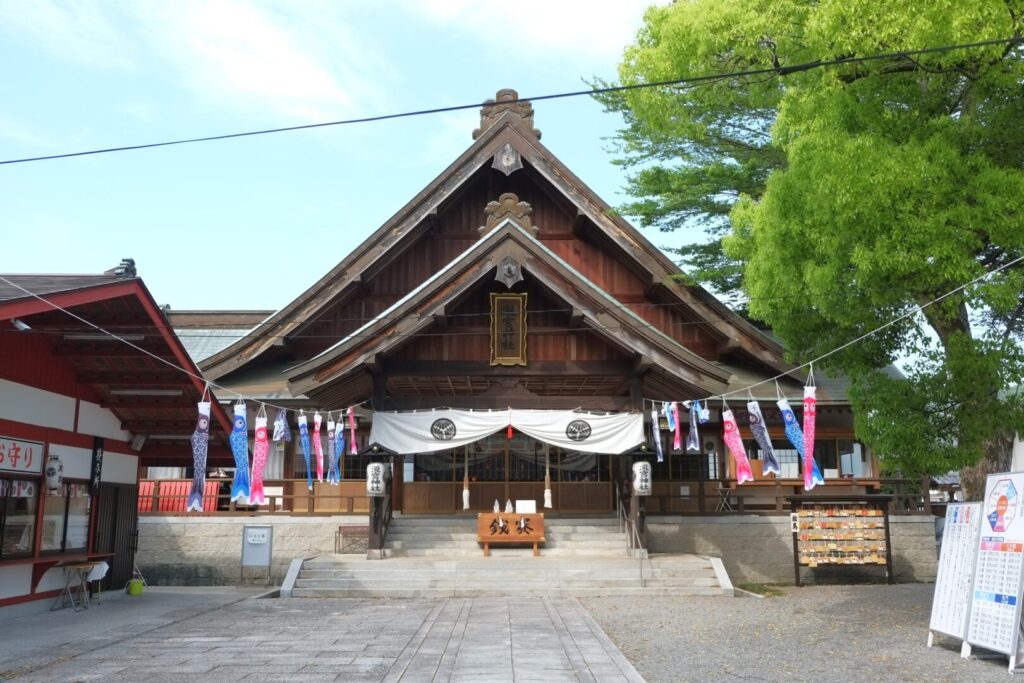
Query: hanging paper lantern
{"points": [[304, 442], [509, 431], [735, 444], [260, 451], [642, 478], [239, 440], [54, 474], [770, 463]]}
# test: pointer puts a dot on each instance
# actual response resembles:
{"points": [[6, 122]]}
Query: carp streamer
{"points": [[735, 444], [200, 447], [304, 442], [239, 441]]}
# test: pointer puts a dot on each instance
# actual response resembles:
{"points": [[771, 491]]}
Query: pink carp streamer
{"points": [[318, 446], [812, 477], [735, 444], [260, 451], [677, 442], [353, 447]]}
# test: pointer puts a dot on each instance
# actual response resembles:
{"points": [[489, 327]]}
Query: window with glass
{"points": [[487, 459], [66, 518], [527, 457], [19, 499], [440, 466]]}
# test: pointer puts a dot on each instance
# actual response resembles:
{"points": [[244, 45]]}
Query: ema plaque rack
{"points": [[841, 531]]}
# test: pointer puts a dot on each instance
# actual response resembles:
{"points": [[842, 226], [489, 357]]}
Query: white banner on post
{"points": [[994, 620], [952, 596], [438, 430]]}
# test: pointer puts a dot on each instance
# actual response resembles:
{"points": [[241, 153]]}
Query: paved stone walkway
{"points": [[454, 639]]}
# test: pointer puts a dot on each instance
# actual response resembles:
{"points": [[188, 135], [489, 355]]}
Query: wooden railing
{"points": [[283, 497], [768, 496]]}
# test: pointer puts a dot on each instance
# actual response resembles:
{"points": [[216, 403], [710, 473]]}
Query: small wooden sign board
{"points": [[509, 528]]}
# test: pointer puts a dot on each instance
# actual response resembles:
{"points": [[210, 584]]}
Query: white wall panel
{"points": [[98, 421], [77, 461], [22, 403]]}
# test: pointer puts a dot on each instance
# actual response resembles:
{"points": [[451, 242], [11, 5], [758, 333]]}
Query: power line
{"points": [[688, 80], [808, 364]]}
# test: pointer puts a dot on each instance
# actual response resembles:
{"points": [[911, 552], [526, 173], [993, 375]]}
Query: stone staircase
{"points": [[440, 557], [456, 537]]}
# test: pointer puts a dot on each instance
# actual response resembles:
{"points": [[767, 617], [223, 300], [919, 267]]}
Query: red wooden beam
{"points": [[21, 308]]}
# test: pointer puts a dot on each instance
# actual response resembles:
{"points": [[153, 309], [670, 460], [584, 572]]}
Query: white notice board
{"points": [[956, 569], [257, 545], [995, 601]]}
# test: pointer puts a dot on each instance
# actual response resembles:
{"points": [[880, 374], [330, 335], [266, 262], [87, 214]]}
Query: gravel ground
{"points": [[826, 633]]}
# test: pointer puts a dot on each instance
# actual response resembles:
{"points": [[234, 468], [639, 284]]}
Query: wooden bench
{"points": [[509, 528], [352, 537]]}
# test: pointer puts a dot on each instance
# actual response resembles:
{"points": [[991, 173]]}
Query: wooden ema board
{"points": [[956, 570], [509, 528], [834, 532]]}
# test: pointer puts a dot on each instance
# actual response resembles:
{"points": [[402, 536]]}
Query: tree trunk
{"points": [[998, 454]]}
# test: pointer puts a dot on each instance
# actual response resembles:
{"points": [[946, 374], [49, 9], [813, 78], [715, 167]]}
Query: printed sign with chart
{"points": [[995, 605], [956, 569]]}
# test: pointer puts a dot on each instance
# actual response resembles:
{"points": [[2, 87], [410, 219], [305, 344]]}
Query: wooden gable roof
{"points": [[507, 141], [421, 309]]}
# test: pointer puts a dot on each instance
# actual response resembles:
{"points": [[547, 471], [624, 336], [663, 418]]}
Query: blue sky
{"points": [[251, 223]]}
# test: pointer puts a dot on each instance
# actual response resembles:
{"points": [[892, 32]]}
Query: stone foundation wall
{"points": [[759, 548], [207, 551]]}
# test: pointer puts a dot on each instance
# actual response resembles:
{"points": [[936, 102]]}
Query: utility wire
{"points": [[808, 364], [779, 70]]}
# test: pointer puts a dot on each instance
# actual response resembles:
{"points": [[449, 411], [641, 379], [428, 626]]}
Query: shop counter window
{"points": [[19, 499], [66, 518]]}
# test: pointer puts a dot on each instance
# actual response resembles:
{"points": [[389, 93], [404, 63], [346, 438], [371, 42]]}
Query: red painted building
{"points": [[72, 393]]}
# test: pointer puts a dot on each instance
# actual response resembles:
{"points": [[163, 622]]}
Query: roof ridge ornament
{"points": [[505, 100], [509, 207], [507, 159]]}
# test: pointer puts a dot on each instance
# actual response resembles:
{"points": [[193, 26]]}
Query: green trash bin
{"points": [[135, 587]]}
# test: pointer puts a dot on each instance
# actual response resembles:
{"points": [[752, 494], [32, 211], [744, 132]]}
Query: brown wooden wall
{"points": [[456, 229], [549, 337]]}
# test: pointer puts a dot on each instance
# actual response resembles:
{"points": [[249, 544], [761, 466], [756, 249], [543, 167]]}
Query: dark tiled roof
{"points": [[202, 343], [51, 284]]}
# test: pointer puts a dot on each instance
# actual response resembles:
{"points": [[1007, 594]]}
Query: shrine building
{"points": [[507, 283]]}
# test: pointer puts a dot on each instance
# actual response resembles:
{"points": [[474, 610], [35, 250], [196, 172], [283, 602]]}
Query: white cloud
{"points": [[293, 61], [583, 30], [80, 31], [256, 57]]}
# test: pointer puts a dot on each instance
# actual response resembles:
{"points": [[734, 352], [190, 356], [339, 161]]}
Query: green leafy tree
{"points": [[848, 195]]}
